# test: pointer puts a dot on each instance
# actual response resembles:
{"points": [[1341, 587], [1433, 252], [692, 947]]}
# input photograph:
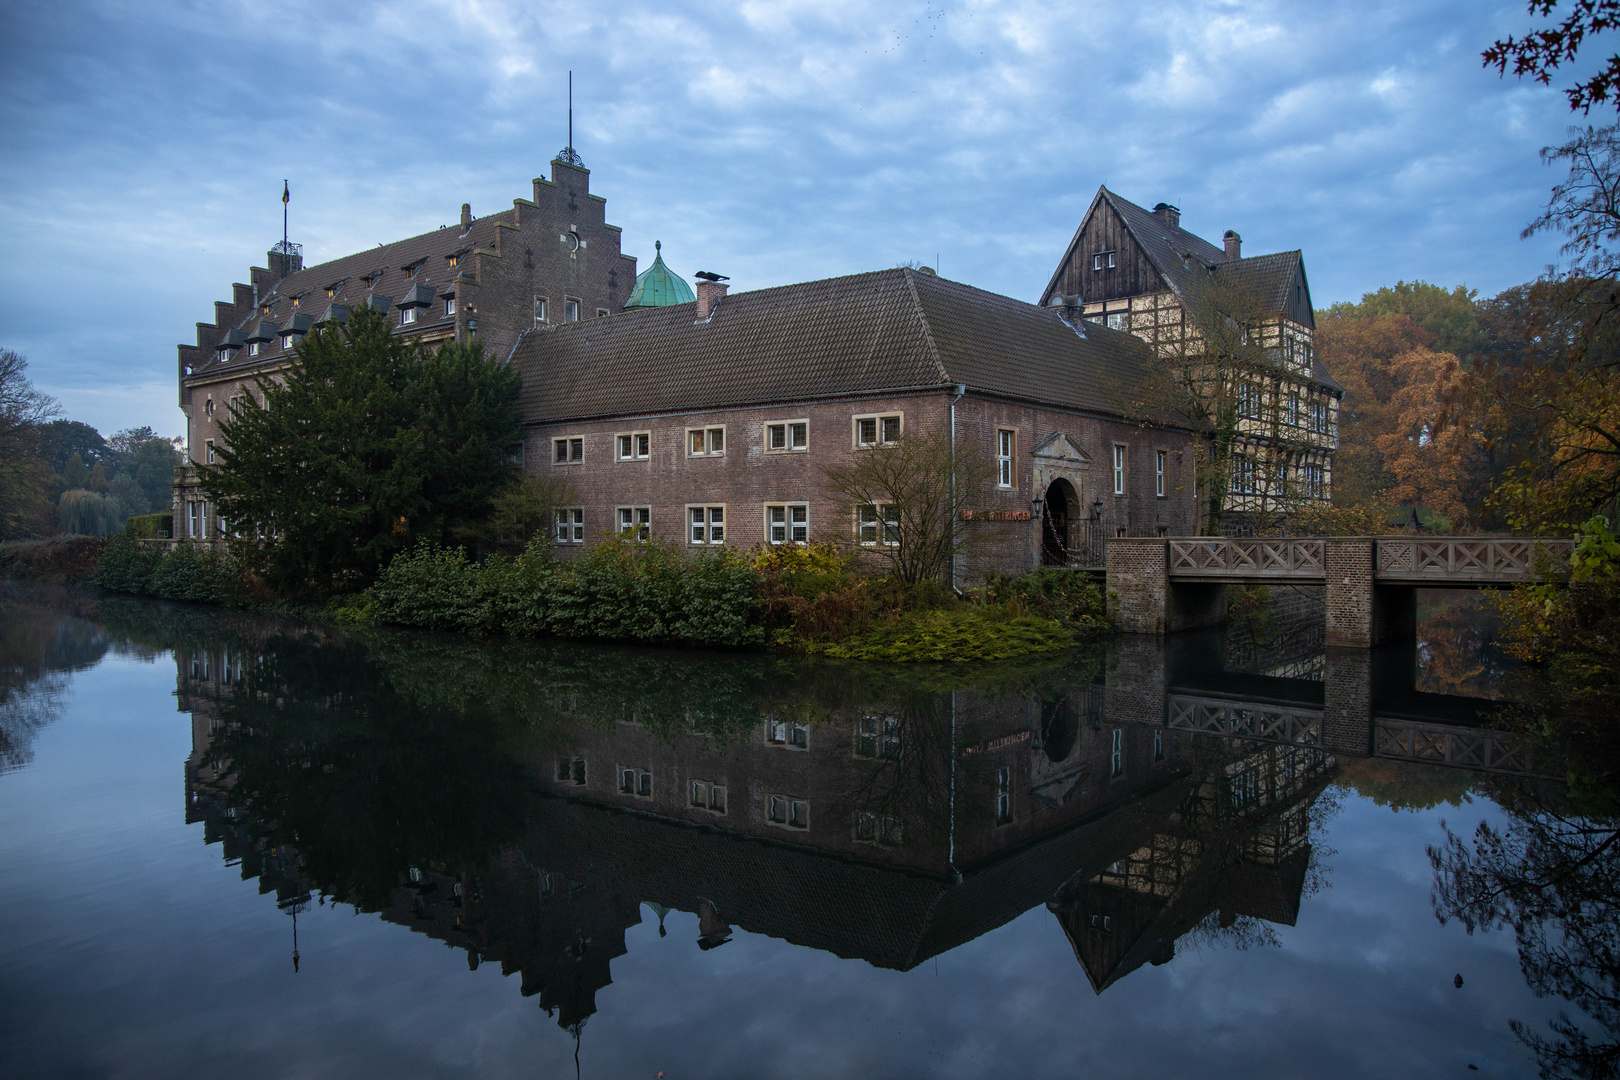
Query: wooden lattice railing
{"points": [[1282, 557], [1462, 748], [1469, 558], [1243, 720]]}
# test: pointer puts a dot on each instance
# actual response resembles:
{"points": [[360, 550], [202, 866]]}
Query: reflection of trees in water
{"points": [[1554, 877], [42, 639], [1456, 651]]}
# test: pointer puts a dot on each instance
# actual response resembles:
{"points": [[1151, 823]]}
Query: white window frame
{"points": [[1119, 463], [639, 445], [706, 524], [1159, 460], [707, 441], [1103, 260], [253, 348], [789, 517], [706, 795], [449, 305], [208, 447], [1004, 795], [635, 782], [787, 734], [788, 812], [570, 309], [570, 524], [880, 429], [633, 519], [789, 430], [407, 316], [1119, 320], [541, 310], [1006, 458], [575, 452], [1245, 476], [1116, 755], [883, 523]]}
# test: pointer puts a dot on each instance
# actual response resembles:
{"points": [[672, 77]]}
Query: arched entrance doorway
{"points": [[1061, 505]]}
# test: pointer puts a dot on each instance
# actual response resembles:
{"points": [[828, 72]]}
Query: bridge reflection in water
{"points": [[531, 803]]}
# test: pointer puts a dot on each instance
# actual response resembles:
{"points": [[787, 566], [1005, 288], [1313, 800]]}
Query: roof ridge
{"points": [[928, 330]]}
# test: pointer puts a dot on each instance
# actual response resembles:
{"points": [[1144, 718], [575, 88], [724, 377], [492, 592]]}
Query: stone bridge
{"points": [[1165, 585]]}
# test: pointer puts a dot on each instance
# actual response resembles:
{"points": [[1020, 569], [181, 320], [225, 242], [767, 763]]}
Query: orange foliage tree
{"points": [[1402, 436]]}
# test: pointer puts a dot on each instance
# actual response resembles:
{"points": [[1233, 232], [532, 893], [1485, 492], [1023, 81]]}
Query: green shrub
{"points": [[956, 636], [172, 572], [619, 590], [149, 526], [1064, 595]]}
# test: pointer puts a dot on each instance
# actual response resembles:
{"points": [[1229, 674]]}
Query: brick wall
{"points": [[748, 476], [1138, 585], [1349, 593], [1347, 701]]}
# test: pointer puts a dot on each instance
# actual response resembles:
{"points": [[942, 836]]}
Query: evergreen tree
{"points": [[367, 446]]}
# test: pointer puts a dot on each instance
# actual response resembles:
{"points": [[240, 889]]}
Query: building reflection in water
{"points": [[525, 802]]}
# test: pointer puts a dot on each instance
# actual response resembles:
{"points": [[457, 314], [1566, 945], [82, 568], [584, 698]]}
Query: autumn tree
{"points": [[1539, 53], [907, 498]]}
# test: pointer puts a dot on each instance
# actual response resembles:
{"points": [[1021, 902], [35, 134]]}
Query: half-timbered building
{"points": [[1139, 271]]}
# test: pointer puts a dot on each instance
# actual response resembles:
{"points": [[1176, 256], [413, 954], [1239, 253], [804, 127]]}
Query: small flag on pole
{"points": [[286, 192]]}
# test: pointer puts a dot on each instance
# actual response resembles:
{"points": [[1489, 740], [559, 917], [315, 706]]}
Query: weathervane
{"points": [[568, 155]]}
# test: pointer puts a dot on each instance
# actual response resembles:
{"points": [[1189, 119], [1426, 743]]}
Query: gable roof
{"points": [[886, 331], [1184, 259]]}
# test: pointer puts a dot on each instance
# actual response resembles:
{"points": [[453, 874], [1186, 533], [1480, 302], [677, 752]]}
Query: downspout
{"points": [[961, 390]]}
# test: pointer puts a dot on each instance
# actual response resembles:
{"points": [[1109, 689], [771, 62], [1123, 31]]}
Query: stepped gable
{"points": [[885, 331]]}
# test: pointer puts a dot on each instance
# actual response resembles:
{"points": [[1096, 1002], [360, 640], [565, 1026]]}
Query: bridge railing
{"points": [[1462, 558], [1271, 557]]}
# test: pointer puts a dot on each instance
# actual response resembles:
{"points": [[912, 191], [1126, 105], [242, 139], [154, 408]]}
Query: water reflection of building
{"points": [[890, 832]]}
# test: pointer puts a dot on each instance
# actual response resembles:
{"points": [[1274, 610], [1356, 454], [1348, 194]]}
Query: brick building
{"points": [[1139, 271], [551, 258], [713, 421]]}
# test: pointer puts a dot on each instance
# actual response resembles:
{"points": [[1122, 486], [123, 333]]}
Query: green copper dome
{"points": [[656, 286]]}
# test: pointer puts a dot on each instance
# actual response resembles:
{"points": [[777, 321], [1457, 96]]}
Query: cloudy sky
{"points": [[772, 140]]}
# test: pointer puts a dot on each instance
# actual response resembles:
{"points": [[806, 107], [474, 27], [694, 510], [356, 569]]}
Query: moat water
{"points": [[238, 847]]}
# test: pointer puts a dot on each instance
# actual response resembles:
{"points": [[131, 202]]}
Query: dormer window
{"points": [[455, 260], [449, 305], [253, 348], [407, 316], [1103, 260], [287, 340], [224, 355], [297, 300]]}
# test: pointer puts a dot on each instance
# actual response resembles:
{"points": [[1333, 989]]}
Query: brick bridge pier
{"points": [[1162, 586]]}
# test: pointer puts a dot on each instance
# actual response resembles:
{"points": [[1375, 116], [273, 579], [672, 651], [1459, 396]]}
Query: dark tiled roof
{"points": [[385, 264], [1180, 257], [891, 330]]}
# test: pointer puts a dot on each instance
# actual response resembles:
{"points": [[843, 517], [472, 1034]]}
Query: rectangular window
{"points": [[878, 524], [878, 737], [705, 442], [1158, 473], [787, 523], [636, 520], [786, 734], [708, 524], [570, 310], [193, 520], [406, 317], [1119, 469], [637, 782], [1003, 794], [449, 305], [633, 445], [1103, 260], [786, 810], [253, 348], [569, 451], [601, 311], [571, 525], [877, 430], [1006, 441], [571, 771], [1116, 754], [877, 829], [1158, 745], [1119, 320], [787, 437], [539, 309], [1245, 477], [210, 445]]}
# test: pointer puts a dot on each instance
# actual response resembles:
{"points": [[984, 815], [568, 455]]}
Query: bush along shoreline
{"points": [[799, 599], [807, 599]]}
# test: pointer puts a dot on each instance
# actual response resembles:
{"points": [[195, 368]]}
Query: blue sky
{"points": [[772, 141]]}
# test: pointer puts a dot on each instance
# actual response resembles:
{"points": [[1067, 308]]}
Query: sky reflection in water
{"points": [[152, 862]]}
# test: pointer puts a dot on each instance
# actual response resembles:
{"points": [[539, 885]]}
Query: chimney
{"points": [[1234, 245], [1168, 214], [284, 258], [708, 297], [466, 216]]}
